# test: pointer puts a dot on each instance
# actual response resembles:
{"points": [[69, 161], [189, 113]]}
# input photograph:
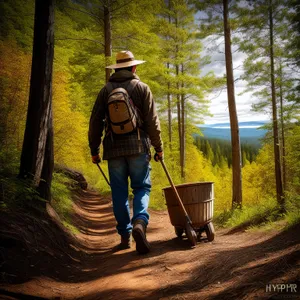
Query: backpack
{"points": [[122, 115]]}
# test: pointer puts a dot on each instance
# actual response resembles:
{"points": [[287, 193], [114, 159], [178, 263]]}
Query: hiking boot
{"points": [[139, 235], [125, 242]]}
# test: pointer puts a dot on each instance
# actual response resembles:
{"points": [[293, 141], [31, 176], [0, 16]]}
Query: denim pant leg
{"points": [[139, 172], [118, 175]]}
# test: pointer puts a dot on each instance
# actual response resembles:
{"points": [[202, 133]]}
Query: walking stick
{"points": [[103, 174]]}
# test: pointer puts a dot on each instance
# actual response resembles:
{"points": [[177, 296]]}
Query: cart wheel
{"points": [[210, 231], [199, 235], [191, 234], [179, 231]]}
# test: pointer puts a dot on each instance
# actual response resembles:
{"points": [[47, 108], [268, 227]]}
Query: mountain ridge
{"points": [[250, 131]]}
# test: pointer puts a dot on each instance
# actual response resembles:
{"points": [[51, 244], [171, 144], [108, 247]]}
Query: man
{"points": [[128, 155]]}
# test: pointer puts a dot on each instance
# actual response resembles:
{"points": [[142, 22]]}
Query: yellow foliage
{"points": [[14, 93], [259, 178], [197, 167], [223, 188], [252, 191], [70, 127]]}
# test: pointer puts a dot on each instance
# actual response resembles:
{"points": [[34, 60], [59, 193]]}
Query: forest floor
{"points": [[39, 259]]}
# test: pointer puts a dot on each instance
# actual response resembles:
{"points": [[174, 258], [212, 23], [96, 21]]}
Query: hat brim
{"points": [[126, 64]]}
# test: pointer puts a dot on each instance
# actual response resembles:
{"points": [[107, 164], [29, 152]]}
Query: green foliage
{"points": [[180, 52], [61, 189], [95, 178], [250, 216], [293, 159], [256, 43], [198, 169], [293, 46], [18, 194], [16, 22], [79, 75], [219, 151], [259, 191], [293, 210]]}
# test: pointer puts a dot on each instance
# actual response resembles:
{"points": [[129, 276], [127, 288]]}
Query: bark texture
{"points": [[235, 137], [37, 151]]}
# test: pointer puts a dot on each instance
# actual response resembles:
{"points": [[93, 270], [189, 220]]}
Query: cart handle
{"points": [[176, 193]]}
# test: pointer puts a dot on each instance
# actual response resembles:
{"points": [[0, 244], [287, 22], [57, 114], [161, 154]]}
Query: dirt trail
{"points": [[233, 266]]}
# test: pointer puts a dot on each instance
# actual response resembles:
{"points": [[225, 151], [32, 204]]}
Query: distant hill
{"points": [[249, 131]]}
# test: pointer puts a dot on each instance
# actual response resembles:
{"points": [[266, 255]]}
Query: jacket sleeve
{"points": [[96, 124], [151, 120]]}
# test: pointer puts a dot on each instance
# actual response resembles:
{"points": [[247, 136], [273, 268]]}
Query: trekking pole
{"points": [[103, 174]]}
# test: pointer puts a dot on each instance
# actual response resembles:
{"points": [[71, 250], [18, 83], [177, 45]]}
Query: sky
{"points": [[219, 102]]}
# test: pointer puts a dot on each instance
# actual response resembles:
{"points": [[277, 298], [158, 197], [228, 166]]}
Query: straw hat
{"points": [[125, 59]]}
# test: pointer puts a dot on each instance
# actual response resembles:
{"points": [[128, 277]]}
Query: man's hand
{"points": [[159, 156], [96, 159]]}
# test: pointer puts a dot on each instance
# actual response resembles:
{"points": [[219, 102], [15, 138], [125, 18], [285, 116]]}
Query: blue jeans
{"points": [[137, 168]]}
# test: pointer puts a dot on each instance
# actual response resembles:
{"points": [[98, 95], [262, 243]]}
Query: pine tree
{"points": [[266, 25], [235, 137], [37, 153], [293, 46], [181, 50], [218, 11]]}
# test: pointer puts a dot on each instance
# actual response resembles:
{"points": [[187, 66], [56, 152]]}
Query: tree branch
{"points": [[84, 12], [80, 39], [120, 7]]}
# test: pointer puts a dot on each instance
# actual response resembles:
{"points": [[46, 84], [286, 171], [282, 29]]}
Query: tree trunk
{"points": [[169, 112], [179, 108], [235, 138], [278, 177], [182, 128], [37, 151], [169, 94], [179, 129], [182, 142], [107, 39], [179, 121], [47, 171], [282, 133]]}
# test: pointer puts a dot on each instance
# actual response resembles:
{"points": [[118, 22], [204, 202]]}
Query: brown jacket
{"points": [[127, 144]]}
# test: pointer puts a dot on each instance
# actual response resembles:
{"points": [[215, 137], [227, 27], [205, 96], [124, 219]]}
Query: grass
{"points": [[293, 211], [266, 216], [17, 193], [96, 180], [293, 218], [249, 217], [62, 188]]}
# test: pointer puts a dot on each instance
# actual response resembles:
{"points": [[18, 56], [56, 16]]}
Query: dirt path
{"points": [[233, 266]]}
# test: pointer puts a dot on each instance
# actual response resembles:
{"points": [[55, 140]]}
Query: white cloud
{"points": [[219, 102], [220, 111]]}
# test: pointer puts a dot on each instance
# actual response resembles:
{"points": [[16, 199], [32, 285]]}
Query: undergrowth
{"points": [[293, 211], [18, 194], [266, 216], [62, 188]]}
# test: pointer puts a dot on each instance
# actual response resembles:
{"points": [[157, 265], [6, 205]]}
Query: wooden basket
{"points": [[197, 199]]}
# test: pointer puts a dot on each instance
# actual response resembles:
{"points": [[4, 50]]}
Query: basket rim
{"points": [[189, 184]]}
